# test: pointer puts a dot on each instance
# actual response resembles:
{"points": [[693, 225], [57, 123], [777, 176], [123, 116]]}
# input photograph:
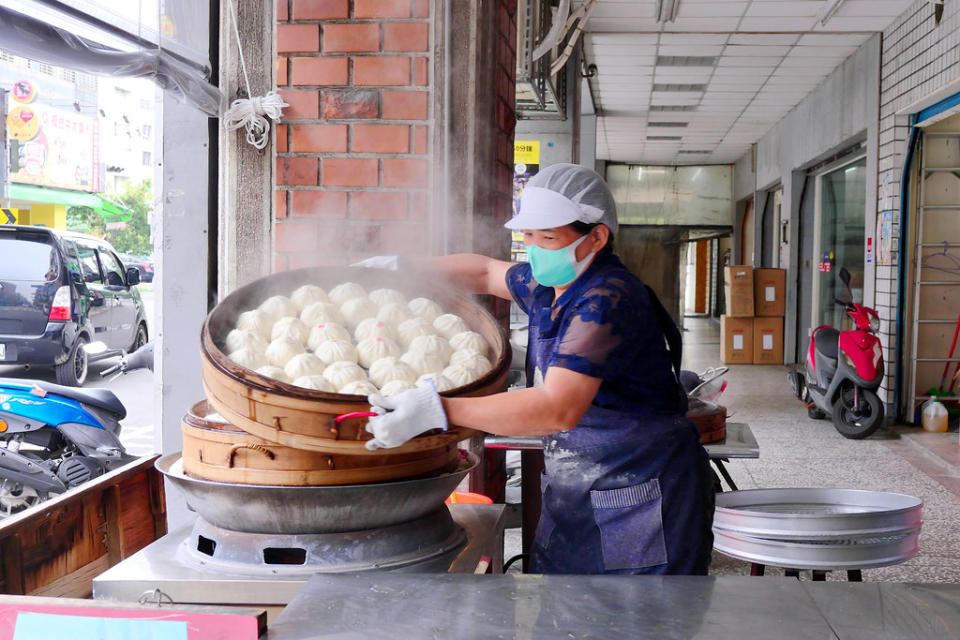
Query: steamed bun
{"points": [[372, 328], [355, 310], [320, 313], [469, 340], [327, 331], [335, 350], [393, 313], [424, 362], [372, 349], [343, 372], [390, 369], [412, 328], [278, 307], [244, 339], [346, 291], [280, 351], [273, 372], [449, 325], [425, 308], [394, 387], [249, 358], [477, 363], [359, 388], [440, 382], [306, 295], [383, 297], [290, 327], [317, 383], [304, 364], [257, 321], [459, 375], [431, 344]]}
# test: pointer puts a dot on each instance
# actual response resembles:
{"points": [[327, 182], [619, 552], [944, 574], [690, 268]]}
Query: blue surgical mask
{"points": [[557, 267]]}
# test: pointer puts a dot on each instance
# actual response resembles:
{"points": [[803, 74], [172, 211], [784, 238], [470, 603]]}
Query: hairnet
{"points": [[581, 186]]}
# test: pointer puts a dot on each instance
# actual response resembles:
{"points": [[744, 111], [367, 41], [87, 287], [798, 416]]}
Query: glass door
{"points": [[839, 239]]}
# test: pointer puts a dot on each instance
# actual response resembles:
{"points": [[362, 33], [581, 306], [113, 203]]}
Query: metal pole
{"points": [[5, 156]]}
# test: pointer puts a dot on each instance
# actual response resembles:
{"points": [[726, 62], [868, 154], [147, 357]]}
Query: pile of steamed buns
{"points": [[353, 342]]}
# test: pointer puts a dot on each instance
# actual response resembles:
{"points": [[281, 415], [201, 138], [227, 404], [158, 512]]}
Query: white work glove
{"points": [[390, 263], [404, 416]]}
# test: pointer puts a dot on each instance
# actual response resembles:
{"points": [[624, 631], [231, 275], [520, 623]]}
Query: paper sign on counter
{"points": [[37, 626], [770, 294], [738, 342], [767, 341]]}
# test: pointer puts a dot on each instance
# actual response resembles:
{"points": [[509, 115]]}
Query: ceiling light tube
{"points": [[831, 8], [666, 10]]}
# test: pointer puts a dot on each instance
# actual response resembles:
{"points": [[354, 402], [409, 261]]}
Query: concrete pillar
{"points": [[790, 213]]}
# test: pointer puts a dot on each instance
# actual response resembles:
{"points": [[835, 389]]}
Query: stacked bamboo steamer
{"points": [[257, 430]]}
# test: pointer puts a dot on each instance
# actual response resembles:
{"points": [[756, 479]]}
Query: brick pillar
{"points": [[352, 162], [359, 152]]}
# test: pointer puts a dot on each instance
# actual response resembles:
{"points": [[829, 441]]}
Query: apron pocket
{"points": [[545, 525], [631, 526]]}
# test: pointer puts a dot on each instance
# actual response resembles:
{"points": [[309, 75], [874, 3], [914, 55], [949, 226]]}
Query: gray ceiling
{"points": [[701, 89]]}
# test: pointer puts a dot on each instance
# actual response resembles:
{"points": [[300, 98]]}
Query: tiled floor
{"points": [[796, 451]]}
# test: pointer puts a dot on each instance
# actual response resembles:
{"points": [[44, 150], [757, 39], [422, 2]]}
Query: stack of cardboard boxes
{"points": [[753, 325]]}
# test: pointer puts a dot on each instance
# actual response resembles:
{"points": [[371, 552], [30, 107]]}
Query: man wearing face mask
{"points": [[627, 487]]}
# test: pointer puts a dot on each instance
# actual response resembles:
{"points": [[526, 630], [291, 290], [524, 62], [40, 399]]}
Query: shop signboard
{"points": [[53, 147]]}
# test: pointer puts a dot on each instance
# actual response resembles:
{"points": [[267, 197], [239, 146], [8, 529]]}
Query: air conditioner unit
{"points": [[538, 95]]}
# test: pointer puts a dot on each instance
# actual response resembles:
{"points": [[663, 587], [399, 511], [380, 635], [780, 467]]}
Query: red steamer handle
{"points": [[355, 414]]}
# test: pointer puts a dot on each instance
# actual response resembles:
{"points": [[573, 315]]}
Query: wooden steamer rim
{"points": [[222, 452], [303, 418]]}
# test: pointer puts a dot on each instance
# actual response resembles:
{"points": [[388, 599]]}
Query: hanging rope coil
{"points": [[249, 112]]}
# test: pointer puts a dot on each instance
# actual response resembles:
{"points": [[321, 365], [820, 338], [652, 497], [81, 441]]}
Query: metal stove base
{"points": [[170, 565]]}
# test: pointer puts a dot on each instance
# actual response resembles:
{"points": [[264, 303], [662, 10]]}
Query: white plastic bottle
{"points": [[934, 416]]}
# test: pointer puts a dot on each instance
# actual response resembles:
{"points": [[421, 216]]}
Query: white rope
{"points": [[249, 112]]}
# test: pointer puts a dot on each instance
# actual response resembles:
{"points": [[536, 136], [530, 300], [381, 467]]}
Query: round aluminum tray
{"points": [[861, 553], [802, 514]]}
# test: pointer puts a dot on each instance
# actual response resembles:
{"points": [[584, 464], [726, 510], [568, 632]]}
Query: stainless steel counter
{"points": [[533, 606]]}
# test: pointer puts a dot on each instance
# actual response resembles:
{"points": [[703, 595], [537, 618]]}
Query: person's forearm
{"points": [[466, 271], [525, 412]]}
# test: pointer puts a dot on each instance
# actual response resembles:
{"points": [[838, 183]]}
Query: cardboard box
{"points": [[768, 340], [769, 290], [737, 344], [738, 287]]}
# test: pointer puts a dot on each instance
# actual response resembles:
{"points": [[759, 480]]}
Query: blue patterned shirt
{"points": [[606, 327]]}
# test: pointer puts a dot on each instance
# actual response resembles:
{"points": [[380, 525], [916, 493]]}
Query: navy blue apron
{"points": [[623, 492]]}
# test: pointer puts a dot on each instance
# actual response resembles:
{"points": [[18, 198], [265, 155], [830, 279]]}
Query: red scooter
{"points": [[843, 372]]}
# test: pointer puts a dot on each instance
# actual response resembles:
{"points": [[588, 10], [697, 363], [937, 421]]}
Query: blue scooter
{"points": [[54, 438]]}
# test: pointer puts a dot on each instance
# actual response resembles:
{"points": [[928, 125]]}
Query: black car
{"points": [[142, 264], [59, 291]]}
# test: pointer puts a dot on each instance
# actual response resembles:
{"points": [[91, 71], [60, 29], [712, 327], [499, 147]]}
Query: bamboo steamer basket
{"points": [[219, 451], [301, 418]]}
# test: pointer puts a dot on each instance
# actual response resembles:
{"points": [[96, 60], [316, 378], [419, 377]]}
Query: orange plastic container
{"points": [[466, 497]]}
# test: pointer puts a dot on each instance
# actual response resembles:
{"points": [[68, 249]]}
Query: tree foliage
{"points": [[134, 236]]}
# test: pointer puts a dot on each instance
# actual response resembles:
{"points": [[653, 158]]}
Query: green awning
{"points": [[31, 193]]}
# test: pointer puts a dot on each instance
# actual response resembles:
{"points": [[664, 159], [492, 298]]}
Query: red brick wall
{"points": [[354, 151], [352, 165]]}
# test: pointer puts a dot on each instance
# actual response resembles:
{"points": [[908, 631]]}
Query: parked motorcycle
{"points": [[843, 371], [54, 438]]}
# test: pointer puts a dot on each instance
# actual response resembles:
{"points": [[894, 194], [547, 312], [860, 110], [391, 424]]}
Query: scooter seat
{"points": [[100, 398], [826, 341]]}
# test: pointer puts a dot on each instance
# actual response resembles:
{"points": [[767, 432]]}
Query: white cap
{"points": [[565, 193]]}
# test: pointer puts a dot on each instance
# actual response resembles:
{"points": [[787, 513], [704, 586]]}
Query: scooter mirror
{"points": [[844, 276], [94, 348]]}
